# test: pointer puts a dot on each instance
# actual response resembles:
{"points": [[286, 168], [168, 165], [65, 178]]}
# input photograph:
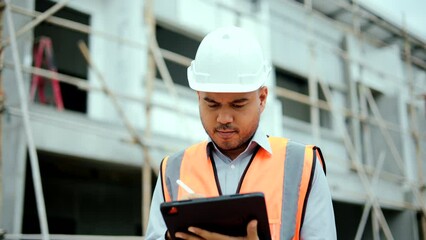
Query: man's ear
{"points": [[263, 95]]}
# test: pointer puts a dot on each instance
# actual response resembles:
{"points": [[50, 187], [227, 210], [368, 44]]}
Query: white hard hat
{"points": [[228, 59]]}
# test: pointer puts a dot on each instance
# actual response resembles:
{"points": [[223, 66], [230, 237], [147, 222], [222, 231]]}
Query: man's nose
{"points": [[224, 117]]}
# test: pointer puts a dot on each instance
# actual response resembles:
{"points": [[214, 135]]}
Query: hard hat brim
{"points": [[222, 87]]}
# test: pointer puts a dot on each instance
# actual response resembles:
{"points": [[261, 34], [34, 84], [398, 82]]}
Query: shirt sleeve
{"points": [[156, 226], [319, 220]]}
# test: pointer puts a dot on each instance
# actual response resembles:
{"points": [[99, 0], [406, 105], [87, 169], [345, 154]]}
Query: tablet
{"points": [[227, 214]]}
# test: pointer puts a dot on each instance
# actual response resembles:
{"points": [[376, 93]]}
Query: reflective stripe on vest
{"points": [[284, 177]]}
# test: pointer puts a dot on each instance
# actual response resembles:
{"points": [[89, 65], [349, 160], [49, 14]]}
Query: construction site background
{"points": [[93, 94]]}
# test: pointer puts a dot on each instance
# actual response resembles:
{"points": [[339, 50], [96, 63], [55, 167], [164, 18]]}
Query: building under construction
{"points": [[93, 94]]}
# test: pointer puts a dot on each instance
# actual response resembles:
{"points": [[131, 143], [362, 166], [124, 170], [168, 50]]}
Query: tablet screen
{"points": [[227, 214]]}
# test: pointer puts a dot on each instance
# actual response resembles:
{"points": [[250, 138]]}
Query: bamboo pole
{"points": [[388, 138], [146, 171], [164, 56], [420, 188], [29, 26], [167, 78], [165, 53], [79, 27], [82, 84], [377, 214], [423, 223], [104, 131], [412, 111], [132, 131], [35, 169], [302, 98], [185, 61], [312, 75], [149, 87], [375, 226], [369, 203], [380, 22], [2, 107], [181, 59], [366, 131], [350, 30], [355, 157]]}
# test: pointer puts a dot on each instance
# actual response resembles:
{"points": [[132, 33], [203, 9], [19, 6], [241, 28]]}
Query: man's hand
{"points": [[201, 234]]}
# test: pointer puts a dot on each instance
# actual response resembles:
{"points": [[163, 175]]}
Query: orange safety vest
{"points": [[285, 178]]}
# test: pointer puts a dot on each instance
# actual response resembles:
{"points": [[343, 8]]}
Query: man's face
{"points": [[231, 119]]}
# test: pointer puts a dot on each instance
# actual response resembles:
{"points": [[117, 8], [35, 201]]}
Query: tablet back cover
{"points": [[228, 214]]}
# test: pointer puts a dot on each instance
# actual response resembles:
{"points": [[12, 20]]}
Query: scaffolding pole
{"points": [[182, 60], [369, 203], [377, 215], [355, 157], [39, 19], [165, 74], [412, 111], [312, 76], [2, 107], [149, 87], [146, 166], [79, 27], [158, 55], [35, 168], [83, 85]]}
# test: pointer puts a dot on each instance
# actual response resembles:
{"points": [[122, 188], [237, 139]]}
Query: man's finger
{"points": [[186, 236], [252, 230], [204, 234], [200, 232]]}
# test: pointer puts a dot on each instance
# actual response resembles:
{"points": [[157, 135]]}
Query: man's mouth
{"points": [[225, 134]]}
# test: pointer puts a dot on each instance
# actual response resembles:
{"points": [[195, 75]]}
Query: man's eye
{"points": [[213, 106], [237, 106]]}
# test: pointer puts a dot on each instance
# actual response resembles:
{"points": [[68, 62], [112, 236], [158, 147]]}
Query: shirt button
{"points": [[232, 166]]}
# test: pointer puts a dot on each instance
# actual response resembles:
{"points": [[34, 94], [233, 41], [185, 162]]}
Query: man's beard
{"points": [[229, 146]]}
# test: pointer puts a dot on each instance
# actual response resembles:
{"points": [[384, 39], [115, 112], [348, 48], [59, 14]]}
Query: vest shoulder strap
{"points": [[169, 174], [299, 172], [171, 171]]}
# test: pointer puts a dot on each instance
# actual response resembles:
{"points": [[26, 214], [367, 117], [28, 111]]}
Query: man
{"points": [[228, 74]]}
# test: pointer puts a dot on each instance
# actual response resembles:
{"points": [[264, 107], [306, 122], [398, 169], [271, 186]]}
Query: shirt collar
{"points": [[259, 138]]}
